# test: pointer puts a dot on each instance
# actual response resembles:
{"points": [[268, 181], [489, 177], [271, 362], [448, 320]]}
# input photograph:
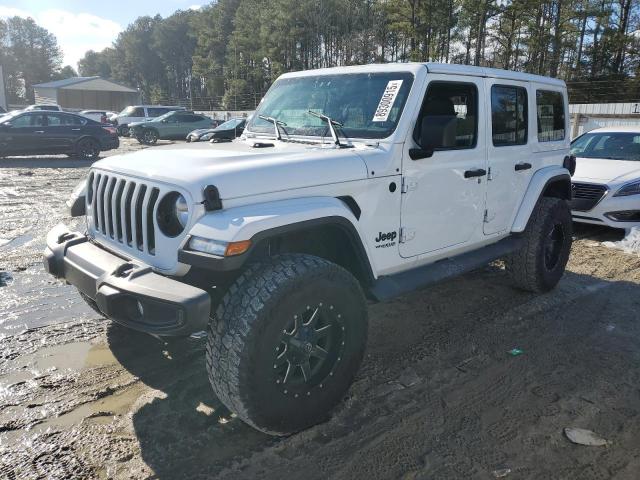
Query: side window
{"points": [[137, 112], [61, 119], [449, 117], [195, 118], [508, 115], [24, 121], [156, 112], [551, 119]]}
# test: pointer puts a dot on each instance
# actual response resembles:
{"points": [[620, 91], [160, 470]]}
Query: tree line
{"points": [[227, 54], [29, 54]]}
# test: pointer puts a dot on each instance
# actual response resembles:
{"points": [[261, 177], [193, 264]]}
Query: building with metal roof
{"points": [[86, 93]]}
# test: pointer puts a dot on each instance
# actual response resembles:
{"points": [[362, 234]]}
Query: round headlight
{"points": [[181, 210], [172, 214]]}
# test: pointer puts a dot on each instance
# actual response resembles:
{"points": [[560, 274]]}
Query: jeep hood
{"points": [[238, 169]]}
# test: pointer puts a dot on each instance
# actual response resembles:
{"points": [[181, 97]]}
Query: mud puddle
{"points": [[32, 298]]}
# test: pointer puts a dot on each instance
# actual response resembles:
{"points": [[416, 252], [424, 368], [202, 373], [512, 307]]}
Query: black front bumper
{"points": [[126, 291]]}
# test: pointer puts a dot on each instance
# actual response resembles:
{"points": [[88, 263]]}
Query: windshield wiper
{"points": [[276, 124], [332, 126]]}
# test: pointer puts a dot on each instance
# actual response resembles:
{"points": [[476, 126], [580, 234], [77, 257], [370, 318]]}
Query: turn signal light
{"points": [[237, 248]]}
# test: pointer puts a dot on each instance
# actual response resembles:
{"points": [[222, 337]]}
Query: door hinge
{"points": [[489, 177], [406, 234], [408, 185], [487, 218]]}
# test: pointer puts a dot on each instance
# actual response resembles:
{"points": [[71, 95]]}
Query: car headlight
{"points": [[629, 189], [173, 214], [217, 247], [206, 136]]}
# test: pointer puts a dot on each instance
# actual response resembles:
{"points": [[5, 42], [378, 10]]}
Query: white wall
{"points": [[586, 117]]}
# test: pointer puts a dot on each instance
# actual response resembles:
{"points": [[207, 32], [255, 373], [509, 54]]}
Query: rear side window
{"points": [[551, 116], [194, 118], [449, 117], [508, 115], [60, 119], [156, 112]]}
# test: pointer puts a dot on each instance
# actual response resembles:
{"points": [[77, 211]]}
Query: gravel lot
{"points": [[438, 396]]}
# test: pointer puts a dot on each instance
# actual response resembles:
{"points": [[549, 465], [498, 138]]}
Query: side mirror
{"points": [[164, 121], [5, 125], [426, 149]]}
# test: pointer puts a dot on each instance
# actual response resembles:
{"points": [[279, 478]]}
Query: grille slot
{"points": [[586, 195], [124, 211]]}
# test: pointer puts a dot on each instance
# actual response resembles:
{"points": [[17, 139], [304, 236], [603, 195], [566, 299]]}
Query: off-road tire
{"points": [[528, 267], [247, 328]]}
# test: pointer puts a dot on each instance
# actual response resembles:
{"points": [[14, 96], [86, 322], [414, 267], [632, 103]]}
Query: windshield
{"points": [[5, 117], [228, 125], [610, 145], [368, 105]]}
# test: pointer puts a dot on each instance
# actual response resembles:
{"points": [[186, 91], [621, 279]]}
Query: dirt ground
{"points": [[438, 395]]}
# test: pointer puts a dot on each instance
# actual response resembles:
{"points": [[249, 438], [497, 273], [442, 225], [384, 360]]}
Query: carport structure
{"points": [[86, 93]]}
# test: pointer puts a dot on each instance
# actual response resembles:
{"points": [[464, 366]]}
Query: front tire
{"points": [[286, 342], [539, 265], [148, 136]]}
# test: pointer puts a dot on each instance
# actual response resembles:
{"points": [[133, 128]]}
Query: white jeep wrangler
{"points": [[348, 183]]}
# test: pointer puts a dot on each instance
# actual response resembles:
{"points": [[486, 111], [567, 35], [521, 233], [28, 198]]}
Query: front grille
{"points": [[586, 195], [123, 211]]}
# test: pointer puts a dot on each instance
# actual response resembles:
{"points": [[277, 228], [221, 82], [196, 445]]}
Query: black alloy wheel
{"points": [[310, 348], [88, 149]]}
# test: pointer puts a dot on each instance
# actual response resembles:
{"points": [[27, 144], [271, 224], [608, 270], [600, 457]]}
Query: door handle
{"points": [[75, 129], [522, 166], [39, 131], [478, 172]]}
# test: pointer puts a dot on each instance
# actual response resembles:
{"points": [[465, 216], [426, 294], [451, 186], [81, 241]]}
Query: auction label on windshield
{"points": [[387, 101]]}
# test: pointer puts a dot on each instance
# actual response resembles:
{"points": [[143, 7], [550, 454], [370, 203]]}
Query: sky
{"points": [[81, 25]]}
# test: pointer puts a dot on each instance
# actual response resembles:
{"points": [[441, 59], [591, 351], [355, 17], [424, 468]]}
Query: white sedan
{"points": [[606, 184]]}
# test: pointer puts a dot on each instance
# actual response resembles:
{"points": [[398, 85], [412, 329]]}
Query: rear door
{"points": [[62, 131], [443, 195], [509, 151]]}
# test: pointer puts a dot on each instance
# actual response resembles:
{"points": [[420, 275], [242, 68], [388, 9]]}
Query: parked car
{"points": [[226, 131], [170, 126], [139, 113], [48, 133], [274, 246], [101, 116], [51, 108], [606, 185]]}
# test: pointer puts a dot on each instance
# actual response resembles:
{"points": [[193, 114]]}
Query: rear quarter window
{"points": [[551, 116]]}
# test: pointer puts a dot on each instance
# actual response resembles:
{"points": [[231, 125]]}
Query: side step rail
{"points": [[391, 286]]}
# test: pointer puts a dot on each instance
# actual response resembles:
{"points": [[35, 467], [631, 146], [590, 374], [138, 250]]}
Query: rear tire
{"points": [[88, 149], [286, 342], [540, 263]]}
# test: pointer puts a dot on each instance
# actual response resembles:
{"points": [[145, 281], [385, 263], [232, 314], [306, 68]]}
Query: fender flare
{"points": [[537, 186], [257, 222]]}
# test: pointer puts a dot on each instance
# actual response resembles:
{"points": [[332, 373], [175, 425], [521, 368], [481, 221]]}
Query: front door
{"points": [[24, 135], [444, 194]]}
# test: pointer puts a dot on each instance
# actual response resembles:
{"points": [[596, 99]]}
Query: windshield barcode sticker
{"points": [[387, 101]]}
